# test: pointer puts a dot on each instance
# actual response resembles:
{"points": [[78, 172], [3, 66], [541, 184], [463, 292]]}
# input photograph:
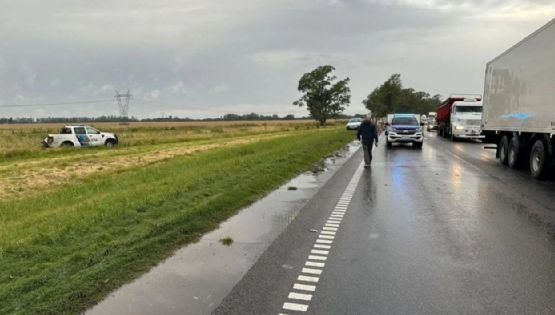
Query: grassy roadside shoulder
{"points": [[65, 251]]}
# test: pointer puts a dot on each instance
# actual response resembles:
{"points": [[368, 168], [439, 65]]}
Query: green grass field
{"points": [[66, 245]]}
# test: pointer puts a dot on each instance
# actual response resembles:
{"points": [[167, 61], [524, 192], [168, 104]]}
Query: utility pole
{"points": [[123, 103]]}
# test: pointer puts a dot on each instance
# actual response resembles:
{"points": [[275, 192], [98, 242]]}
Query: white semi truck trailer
{"points": [[519, 103]]}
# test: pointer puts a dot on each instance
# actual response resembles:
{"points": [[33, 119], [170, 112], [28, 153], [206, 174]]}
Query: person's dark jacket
{"points": [[367, 133]]}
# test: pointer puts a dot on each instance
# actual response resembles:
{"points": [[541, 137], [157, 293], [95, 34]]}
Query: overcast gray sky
{"points": [[200, 58]]}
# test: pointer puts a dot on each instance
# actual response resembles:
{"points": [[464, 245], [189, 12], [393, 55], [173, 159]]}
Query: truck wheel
{"points": [[110, 143], [418, 145], [67, 144], [514, 155], [538, 160], [504, 150], [389, 144], [453, 138]]}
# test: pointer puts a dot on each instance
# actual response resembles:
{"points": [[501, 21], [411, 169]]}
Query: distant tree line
{"points": [[226, 117], [391, 97], [324, 96]]}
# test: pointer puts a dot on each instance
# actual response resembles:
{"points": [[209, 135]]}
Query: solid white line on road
{"points": [[326, 236], [315, 264], [319, 252], [311, 271], [295, 307], [304, 287], [308, 279], [322, 246], [314, 257], [300, 296]]}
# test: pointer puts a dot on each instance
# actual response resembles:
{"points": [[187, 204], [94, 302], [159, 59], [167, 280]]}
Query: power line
{"points": [[59, 103], [212, 110]]}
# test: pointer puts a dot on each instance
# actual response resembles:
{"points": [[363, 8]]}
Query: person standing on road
{"points": [[368, 135]]}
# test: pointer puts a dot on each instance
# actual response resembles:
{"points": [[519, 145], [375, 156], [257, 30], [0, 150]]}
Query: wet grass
{"points": [[35, 170], [24, 141], [63, 251]]}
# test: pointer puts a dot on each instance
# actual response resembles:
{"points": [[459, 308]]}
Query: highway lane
{"points": [[445, 230]]}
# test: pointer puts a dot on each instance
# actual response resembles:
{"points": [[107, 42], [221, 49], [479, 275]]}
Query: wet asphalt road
{"points": [[445, 230]]}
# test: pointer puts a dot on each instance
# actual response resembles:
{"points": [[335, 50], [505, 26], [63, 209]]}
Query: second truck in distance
{"points": [[460, 117]]}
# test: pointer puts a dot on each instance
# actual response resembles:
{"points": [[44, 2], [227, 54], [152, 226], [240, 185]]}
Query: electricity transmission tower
{"points": [[123, 103]]}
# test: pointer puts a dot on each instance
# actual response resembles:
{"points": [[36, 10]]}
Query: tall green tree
{"points": [[391, 97], [323, 98]]}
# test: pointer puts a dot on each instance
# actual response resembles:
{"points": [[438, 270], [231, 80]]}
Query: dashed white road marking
{"points": [[322, 241], [304, 287], [319, 252], [312, 271], [316, 257], [322, 248], [315, 264], [308, 279], [300, 296], [295, 307]]}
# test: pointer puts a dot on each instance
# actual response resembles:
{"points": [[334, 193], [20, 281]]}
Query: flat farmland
{"points": [[78, 223]]}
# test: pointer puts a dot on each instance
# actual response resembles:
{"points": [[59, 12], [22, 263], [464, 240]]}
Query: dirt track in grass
{"points": [[22, 178]]}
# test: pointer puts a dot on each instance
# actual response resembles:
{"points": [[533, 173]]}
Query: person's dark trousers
{"points": [[367, 148]]}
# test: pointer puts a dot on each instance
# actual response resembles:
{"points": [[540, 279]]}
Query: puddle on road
{"points": [[197, 277]]}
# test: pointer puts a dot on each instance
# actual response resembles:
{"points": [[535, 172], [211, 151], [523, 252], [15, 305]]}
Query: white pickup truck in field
{"points": [[80, 136]]}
